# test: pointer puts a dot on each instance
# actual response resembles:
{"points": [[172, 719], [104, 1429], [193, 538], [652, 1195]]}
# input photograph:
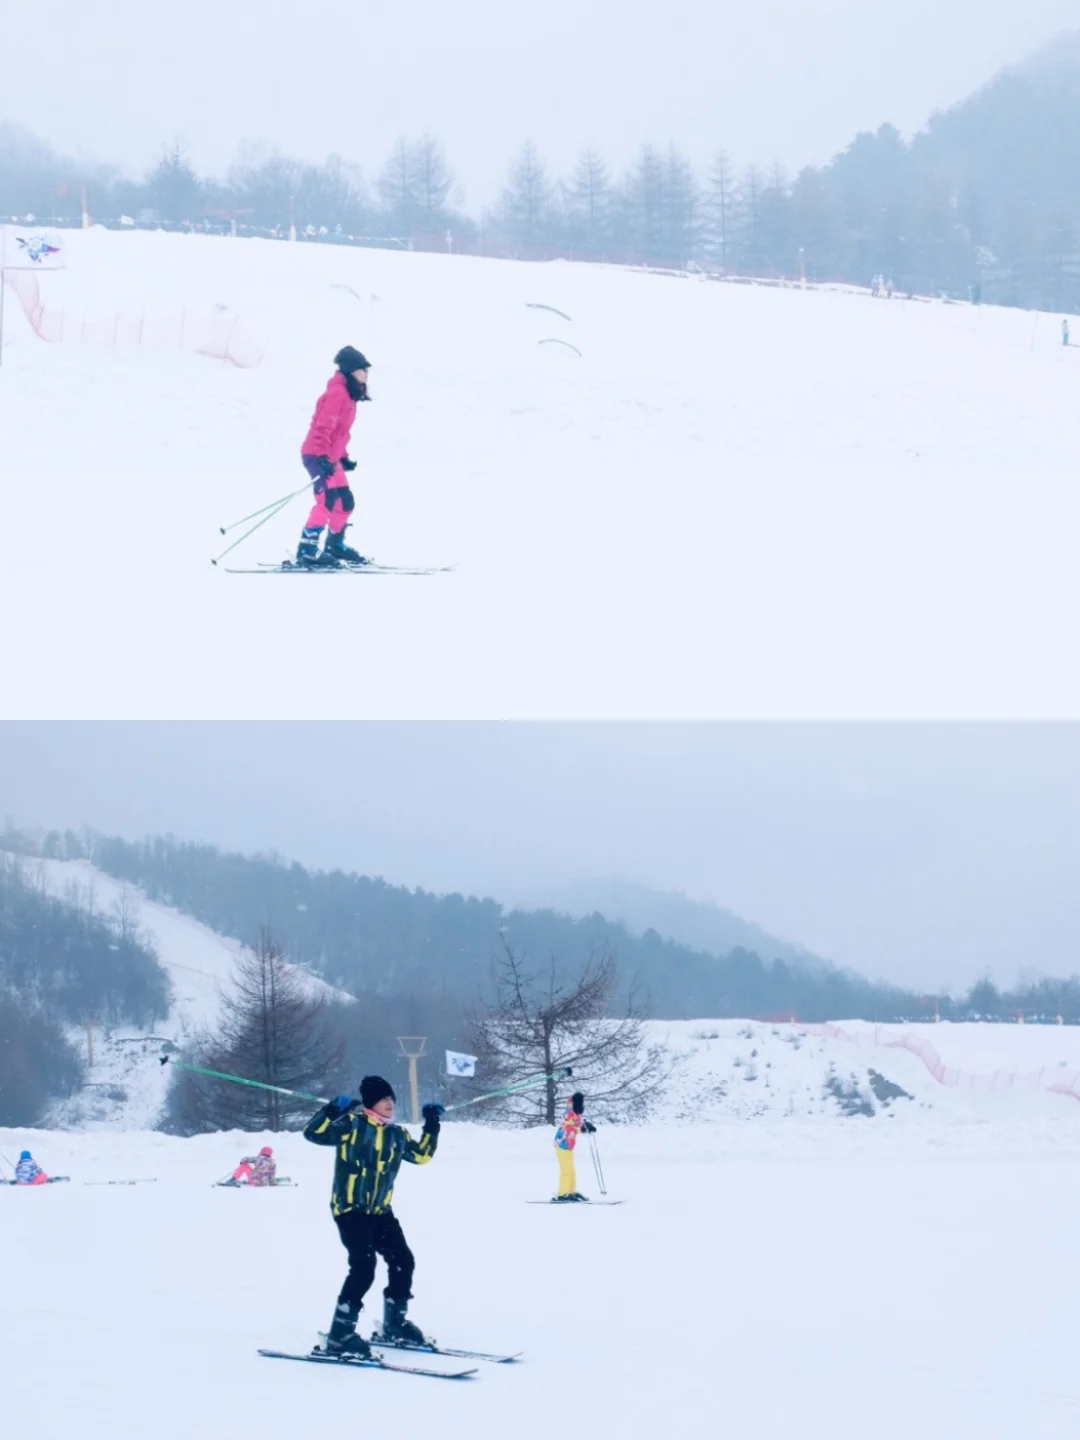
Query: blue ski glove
{"points": [[343, 1103], [326, 466], [347, 464], [433, 1116]]}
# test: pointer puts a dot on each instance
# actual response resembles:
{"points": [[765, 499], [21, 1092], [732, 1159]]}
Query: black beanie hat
{"points": [[374, 1088], [577, 1103], [351, 359]]}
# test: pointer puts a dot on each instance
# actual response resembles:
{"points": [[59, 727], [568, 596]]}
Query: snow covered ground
{"points": [[736, 500], [815, 1279]]}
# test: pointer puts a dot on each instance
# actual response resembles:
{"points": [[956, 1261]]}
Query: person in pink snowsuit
{"points": [[258, 1169], [325, 454]]}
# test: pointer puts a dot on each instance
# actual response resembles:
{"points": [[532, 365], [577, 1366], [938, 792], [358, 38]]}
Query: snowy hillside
{"points": [[126, 1086], [949, 1074], [639, 499]]}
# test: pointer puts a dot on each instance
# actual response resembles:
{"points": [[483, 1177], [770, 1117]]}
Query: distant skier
{"points": [[573, 1125], [369, 1149], [258, 1169], [326, 459], [29, 1172]]}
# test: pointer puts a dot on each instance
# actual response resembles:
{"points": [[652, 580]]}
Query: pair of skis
{"points": [[289, 567], [32, 1184], [242, 1185], [319, 1356], [568, 1203]]}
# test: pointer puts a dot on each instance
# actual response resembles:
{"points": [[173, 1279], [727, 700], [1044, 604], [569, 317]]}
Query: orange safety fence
{"points": [[1057, 1079], [219, 337]]}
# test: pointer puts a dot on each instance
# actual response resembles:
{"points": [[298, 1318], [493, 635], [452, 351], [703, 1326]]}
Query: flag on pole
{"points": [[460, 1064]]}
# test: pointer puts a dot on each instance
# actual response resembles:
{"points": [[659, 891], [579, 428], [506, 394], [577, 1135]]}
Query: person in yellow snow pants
{"points": [[573, 1125]]}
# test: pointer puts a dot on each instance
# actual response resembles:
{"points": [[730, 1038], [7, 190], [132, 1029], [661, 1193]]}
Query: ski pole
{"points": [[257, 526], [151, 1181], [595, 1149], [322, 1099], [511, 1089], [240, 1080], [256, 513]]}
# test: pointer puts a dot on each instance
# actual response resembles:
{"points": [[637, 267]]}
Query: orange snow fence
{"points": [[1059, 1080], [219, 337]]}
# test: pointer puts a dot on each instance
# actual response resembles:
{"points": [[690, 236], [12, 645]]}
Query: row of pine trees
{"points": [[983, 202]]}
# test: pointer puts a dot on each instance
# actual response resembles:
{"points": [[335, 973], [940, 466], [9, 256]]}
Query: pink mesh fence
{"points": [[219, 337], [1051, 1078]]}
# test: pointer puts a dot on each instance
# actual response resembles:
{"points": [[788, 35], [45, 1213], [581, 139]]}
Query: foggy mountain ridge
{"points": [[372, 938], [701, 925]]}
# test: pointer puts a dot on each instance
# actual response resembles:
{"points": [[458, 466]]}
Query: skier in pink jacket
{"points": [[325, 455]]}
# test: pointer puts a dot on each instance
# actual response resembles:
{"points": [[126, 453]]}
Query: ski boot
{"points": [[307, 553], [395, 1327], [343, 1340], [341, 553], [577, 1196]]}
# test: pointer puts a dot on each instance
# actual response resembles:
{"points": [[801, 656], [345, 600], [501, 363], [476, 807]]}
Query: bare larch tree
{"points": [[541, 1023], [273, 1028]]}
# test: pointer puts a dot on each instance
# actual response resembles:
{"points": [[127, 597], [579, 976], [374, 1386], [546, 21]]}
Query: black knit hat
{"points": [[351, 359], [577, 1102], [374, 1088]]}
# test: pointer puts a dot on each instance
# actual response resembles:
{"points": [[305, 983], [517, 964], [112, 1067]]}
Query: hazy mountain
{"points": [[673, 915]]}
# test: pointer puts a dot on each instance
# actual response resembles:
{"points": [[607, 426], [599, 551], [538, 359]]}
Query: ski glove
{"points": [[343, 1103], [347, 464], [588, 1128], [433, 1116], [326, 466]]}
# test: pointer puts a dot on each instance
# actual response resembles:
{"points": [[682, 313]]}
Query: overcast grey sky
{"points": [[923, 854], [772, 79]]}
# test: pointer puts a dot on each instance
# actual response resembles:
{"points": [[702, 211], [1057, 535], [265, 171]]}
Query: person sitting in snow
{"points": [[258, 1169], [573, 1125], [28, 1171]]}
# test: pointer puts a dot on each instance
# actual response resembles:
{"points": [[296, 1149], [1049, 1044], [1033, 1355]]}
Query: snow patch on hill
{"points": [[126, 1085]]}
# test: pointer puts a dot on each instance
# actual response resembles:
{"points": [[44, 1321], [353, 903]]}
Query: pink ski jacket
{"points": [[332, 423]]}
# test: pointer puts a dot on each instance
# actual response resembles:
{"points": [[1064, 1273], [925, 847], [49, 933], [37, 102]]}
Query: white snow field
{"points": [[832, 1279], [736, 500]]}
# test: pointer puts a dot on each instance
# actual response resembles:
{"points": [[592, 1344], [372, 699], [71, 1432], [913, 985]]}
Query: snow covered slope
{"points": [[906, 470], [771, 1280], [950, 1074], [126, 1086]]}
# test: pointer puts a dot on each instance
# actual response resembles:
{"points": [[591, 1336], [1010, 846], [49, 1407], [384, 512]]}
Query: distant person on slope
{"points": [[29, 1172], [325, 455], [369, 1149], [573, 1125], [258, 1169]]}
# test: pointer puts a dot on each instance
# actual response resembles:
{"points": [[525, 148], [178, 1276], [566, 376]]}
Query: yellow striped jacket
{"points": [[367, 1157]]}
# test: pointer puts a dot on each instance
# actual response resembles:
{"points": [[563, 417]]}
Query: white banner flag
{"points": [[460, 1064]]}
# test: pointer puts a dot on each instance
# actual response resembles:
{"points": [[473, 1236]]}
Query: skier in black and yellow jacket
{"points": [[369, 1149]]}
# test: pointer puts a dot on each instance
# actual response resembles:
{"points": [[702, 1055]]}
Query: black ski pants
{"points": [[365, 1237]]}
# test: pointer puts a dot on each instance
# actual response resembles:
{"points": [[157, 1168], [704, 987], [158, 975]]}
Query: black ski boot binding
{"points": [[340, 552], [307, 553], [343, 1340], [396, 1328]]}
